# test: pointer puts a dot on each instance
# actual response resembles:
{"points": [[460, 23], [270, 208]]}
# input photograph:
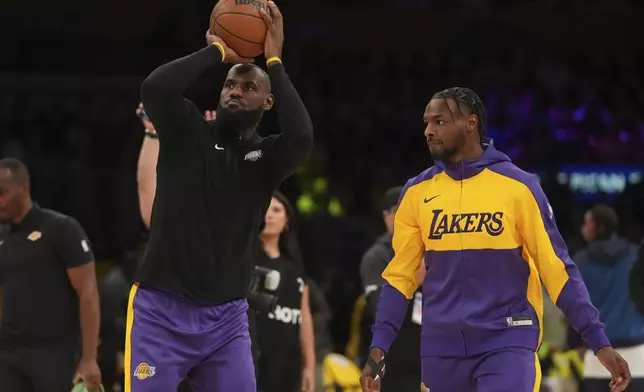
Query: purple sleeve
{"points": [[392, 309], [574, 302], [557, 270]]}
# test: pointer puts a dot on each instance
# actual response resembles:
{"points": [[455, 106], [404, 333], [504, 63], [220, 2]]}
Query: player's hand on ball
{"points": [[617, 366], [275, 34], [230, 56], [367, 381], [89, 373]]}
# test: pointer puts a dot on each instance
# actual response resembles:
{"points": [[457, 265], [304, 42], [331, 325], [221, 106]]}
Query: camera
{"points": [[263, 280]]}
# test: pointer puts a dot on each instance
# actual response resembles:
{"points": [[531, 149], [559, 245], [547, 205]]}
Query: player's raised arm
{"points": [[400, 281], [162, 91], [146, 173], [562, 279], [294, 143]]}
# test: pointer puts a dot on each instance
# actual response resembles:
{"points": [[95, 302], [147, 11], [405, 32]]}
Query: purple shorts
{"points": [[506, 370], [169, 339]]}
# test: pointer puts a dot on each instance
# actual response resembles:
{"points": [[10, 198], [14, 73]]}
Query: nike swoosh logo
{"points": [[430, 199], [218, 148]]}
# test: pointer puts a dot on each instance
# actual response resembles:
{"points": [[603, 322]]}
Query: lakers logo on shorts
{"points": [[423, 388], [143, 371]]}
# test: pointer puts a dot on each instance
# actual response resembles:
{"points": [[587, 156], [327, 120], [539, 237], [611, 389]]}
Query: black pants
{"points": [[43, 369], [601, 385]]}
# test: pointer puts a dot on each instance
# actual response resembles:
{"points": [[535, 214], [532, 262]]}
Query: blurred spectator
{"points": [[403, 364], [114, 293], [285, 335], [637, 280], [605, 264]]}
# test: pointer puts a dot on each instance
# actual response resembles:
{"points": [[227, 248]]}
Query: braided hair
{"points": [[468, 102]]}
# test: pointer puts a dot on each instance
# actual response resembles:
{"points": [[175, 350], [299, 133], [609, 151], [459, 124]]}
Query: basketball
{"points": [[240, 25]]}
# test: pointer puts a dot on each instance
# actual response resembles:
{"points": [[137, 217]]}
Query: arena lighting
{"points": [[590, 180]]}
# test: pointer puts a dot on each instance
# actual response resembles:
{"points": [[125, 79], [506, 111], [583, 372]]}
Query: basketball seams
{"points": [[235, 35], [238, 13]]}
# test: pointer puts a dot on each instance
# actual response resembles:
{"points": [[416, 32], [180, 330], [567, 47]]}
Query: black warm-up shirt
{"points": [[213, 189]]}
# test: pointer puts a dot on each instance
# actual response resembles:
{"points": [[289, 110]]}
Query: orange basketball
{"points": [[240, 25]]}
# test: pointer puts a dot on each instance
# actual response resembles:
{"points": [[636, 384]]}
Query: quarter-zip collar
{"points": [[467, 169]]}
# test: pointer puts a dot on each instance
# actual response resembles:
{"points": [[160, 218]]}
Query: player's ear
{"points": [[24, 189], [472, 123], [268, 103]]}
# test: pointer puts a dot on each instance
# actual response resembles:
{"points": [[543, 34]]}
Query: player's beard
{"points": [[445, 155], [236, 122]]}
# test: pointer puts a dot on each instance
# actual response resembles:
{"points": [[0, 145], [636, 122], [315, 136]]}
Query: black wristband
{"points": [[377, 368]]}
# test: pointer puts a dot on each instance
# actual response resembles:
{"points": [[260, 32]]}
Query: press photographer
{"points": [[279, 296], [260, 303]]}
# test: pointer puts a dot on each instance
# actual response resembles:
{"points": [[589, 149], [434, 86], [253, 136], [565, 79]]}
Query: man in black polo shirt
{"points": [[48, 283], [403, 359]]}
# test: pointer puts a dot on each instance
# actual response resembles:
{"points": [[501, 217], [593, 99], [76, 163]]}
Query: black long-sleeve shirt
{"points": [[212, 189]]}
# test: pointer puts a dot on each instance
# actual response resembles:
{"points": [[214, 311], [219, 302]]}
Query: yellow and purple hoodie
{"points": [[489, 239]]}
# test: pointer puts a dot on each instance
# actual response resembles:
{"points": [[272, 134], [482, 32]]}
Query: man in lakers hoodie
{"points": [[489, 239]]}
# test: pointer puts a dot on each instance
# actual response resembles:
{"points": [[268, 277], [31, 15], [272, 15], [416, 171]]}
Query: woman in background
{"points": [[285, 335]]}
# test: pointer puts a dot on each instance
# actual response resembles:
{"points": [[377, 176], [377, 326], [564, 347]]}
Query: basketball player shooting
{"points": [[187, 309]]}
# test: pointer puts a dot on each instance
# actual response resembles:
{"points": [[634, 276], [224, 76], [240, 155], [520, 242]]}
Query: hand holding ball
{"points": [[241, 26]]}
